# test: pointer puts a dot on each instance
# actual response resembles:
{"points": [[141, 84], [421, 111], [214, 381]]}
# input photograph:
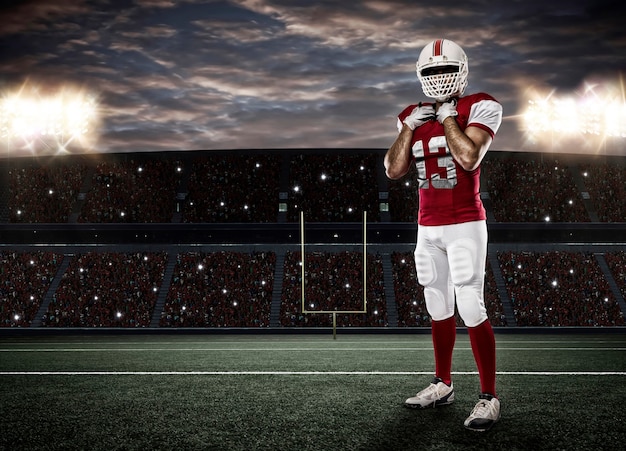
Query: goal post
{"points": [[303, 279]]}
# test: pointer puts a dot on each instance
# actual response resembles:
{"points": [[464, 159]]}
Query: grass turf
{"points": [[290, 411]]}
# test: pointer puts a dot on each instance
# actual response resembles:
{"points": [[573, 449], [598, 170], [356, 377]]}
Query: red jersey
{"points": [[448, 194]]}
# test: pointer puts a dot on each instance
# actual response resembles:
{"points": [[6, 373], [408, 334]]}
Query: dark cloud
{"points": [[293, 73]]}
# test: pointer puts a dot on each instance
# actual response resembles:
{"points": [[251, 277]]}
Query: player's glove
{"points": [[446, 109], [419, 116]]}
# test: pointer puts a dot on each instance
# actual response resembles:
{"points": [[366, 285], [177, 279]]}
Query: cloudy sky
{"points": [[250, 74]]}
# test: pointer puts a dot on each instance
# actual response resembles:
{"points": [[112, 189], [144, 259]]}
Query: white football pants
{"points": [[450, 261]]}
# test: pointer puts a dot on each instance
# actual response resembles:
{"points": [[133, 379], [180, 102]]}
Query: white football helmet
{"points": [[442, 69]]}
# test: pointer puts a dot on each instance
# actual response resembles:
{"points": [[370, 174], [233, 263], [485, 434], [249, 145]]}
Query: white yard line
{"points": [[313, 349], [299, 373]]}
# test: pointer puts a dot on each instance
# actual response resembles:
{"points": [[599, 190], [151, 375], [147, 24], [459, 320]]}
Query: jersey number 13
{"points": [[434, 163]]}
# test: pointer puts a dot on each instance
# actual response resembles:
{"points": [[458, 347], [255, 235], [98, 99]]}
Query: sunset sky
{"points": [[273, 74]]}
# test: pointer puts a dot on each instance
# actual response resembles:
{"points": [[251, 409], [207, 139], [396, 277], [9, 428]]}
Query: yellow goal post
{"points": [[303, 281]]}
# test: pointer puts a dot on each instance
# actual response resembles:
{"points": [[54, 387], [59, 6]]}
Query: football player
{"points": [[446, 138]]}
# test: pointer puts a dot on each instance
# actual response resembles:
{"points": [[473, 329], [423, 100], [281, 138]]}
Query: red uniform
{"points": [[451, 250], [448, 194]]}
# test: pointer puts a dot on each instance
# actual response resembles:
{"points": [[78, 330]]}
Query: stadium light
{"points": [[569, 116], [33, 121], [597, 112]]}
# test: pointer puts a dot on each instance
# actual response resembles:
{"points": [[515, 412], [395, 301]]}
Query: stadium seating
{"points": [[233, 188], [220, 289], [617, 265], [409, 294], [26, 277], [333, 187], [234, 289], [273, 187], [606, 185], [403, 199], [44, 194], [558, 289], [328, 186], [532, 191], [334, 281], [107, 290], [133, 192]]}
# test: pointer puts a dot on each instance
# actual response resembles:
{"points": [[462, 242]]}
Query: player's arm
{"points": [[467, 147], [398, 158]]}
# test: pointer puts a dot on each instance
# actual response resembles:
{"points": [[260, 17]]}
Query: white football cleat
{"points": [[485, 414], [436, 394]]}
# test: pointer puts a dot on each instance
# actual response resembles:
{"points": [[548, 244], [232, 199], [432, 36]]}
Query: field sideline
{"points": [[303, 392]]}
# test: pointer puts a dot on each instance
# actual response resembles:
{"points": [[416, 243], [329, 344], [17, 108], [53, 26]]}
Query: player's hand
{"points": [[446, 110], [419, 116]]}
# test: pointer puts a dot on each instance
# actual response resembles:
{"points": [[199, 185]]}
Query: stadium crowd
{"points": [[233, 188], [617, 265], [234, 289], [333, 187], [532, 191], [328, 187], [120, 289], [107, 290], [43, 194], [606, 185], [220, 289], [409, 295], [25, 278], [403, 200], [333, 281], [133, 192], [558, 289]]}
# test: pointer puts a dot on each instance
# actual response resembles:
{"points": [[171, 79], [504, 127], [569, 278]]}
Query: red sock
{"points": [[484, 348], [444, 336]]}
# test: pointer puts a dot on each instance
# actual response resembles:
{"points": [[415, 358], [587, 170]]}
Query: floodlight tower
{"points": [[598, 114], [64, 117]]}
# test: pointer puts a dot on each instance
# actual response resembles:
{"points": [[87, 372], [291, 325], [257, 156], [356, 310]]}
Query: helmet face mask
{"points": [[442, 70]]}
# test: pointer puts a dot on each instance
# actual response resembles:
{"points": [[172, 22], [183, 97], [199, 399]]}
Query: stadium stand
{"points": [[606, 184], [409, 295], [403, 200], [220, 289], [233, 188], [43, 194], [532, 191], [26, 277], [333, 281], [132, 191], [334, 187], [107, 290], [616, 262], [74, 209], [559, 288]]}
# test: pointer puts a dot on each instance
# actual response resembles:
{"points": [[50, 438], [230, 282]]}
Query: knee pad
{"points": [[471, 306], [436, 304]]}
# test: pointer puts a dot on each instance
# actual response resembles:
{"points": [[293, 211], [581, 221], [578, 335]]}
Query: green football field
{"points": [[303, 392]]}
